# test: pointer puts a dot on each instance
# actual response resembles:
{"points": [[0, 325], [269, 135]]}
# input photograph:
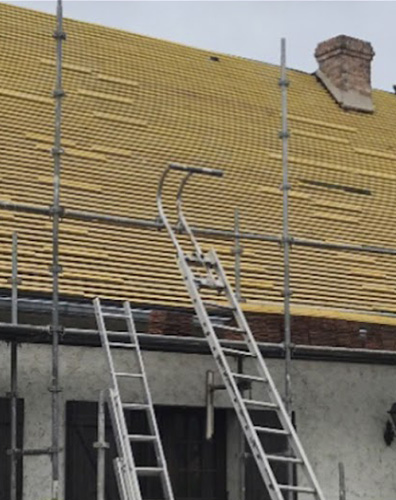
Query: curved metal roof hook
{"points": [[182, 221]]}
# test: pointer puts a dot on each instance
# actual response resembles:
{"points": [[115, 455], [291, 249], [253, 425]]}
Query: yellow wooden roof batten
{"points": [[124, 122]]}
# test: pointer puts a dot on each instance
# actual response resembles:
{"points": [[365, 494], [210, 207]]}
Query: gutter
{"points": [[33, 334]]}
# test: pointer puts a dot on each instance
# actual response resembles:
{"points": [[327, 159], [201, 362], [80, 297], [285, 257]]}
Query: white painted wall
{"points": [[341, 411]]}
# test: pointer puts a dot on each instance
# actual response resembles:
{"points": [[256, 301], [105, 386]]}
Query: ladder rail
{"points": [[262, 366], [236, 399], [254, 441], [161, 210], [127, 471], [159, 451], [130, 480], [105, 341], [213, 267], [120, 478], [182, 218]]}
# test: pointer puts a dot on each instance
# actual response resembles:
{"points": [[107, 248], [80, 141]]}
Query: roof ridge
{"points": [[179, 44], [154, 38]]}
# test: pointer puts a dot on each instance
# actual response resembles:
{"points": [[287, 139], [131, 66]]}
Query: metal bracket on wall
{"points": [[211, 388]]}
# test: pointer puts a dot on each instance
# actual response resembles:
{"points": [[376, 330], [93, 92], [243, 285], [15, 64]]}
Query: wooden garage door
{"points": [[197, 467], [5, 443]]}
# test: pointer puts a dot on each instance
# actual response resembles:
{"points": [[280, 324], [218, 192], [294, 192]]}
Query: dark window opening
{"points": [[273, 444], [340, 187], [214, 58], [5, 443], [197, 467]]}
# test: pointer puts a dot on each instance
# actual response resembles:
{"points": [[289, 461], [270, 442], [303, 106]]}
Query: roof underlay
{"points": [[133, 105]]}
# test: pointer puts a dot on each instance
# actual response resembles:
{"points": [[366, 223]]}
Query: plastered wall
{"points": [[341, 411]]}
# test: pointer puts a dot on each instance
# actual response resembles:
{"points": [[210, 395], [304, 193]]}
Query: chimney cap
{"points": [[345, 44]]}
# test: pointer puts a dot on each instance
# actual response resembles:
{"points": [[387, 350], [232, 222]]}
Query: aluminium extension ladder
{"points": [[204, 276], [127, 472]]}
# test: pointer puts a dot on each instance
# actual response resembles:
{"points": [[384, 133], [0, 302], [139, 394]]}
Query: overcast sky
{"points": [[250, 29]]}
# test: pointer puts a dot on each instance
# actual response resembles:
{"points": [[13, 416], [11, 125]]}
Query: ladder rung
{"points": [[193, 259], [229, 328], [135, 406], [208, 283], [283, 458], [221, 307], [245, 376], [272, 430], [237, 352], [298, 489], [122, 344], [114, 315], [128, 375], [149, 471], [141, 438], [261, 404]]}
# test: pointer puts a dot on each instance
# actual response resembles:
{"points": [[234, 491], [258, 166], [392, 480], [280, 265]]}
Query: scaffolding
{"points": [[16, 332], [56, 212]]}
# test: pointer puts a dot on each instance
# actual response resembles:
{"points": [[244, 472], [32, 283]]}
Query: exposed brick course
{"points": [[325, 332], [305, 330], [168, 322]]}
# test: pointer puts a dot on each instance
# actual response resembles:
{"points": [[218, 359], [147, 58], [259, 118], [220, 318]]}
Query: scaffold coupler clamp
{"points": [[159, 223], [60, 330], [58, 93], [283, 82], [59, 35], [60, 211], [284, 134], [289, 240]]}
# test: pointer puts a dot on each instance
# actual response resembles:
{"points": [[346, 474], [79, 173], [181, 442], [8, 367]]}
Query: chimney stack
{"points": [[345, 70]]}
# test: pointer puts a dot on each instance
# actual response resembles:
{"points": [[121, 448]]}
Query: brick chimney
{"points": [[345, 70]]}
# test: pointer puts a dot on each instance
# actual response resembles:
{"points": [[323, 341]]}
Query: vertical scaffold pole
{"points": [[284, 135], [242, 449], [238, 294], [101, 445], [14, 372], [57, 151], [341, 474], [237, 253], [15, 280]]}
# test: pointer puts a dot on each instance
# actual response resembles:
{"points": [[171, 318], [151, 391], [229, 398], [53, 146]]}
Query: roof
{"points": [[133, 105]]}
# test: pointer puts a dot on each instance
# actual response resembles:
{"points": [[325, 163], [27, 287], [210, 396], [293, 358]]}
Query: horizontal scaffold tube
{"points": [[77, 336], [67, 213]]}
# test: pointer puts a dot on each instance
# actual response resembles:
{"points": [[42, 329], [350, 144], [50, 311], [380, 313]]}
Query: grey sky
{"points": [[250, 29]]}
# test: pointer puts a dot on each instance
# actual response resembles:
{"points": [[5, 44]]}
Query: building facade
{"points": [[133, 105]]}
